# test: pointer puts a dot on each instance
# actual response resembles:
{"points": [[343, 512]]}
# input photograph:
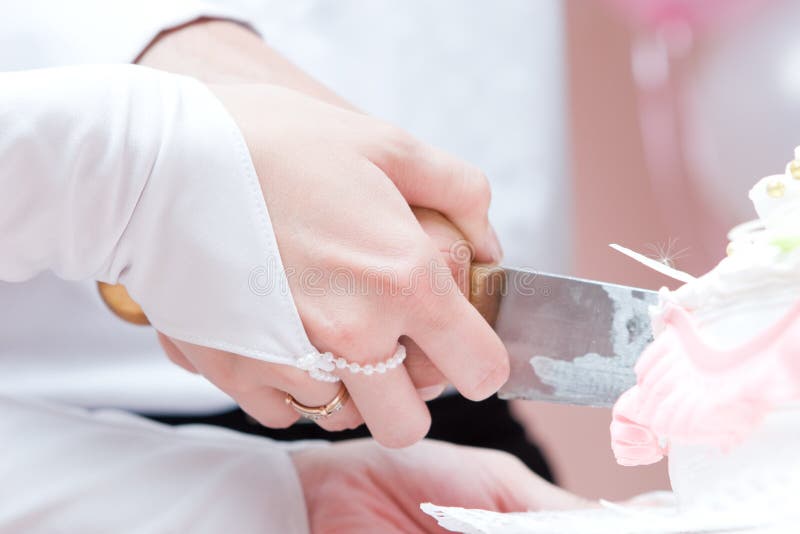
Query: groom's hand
{"points": [[338, 185]]}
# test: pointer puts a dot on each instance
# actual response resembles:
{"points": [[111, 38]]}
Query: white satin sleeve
{"points": [[53, 33], [127, 174], [68, 470]]}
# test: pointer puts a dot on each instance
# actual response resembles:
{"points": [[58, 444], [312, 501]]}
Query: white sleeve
{"points": [[127, 174], [53, 33], [71, 471]]}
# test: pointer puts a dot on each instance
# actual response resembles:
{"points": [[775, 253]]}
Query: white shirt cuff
{"points": [[126, 174]]}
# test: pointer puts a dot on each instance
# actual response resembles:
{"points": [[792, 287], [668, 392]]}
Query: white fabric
{"points": [[53, 33], [70, 471], [103, 171], [652, 518], [129, 175]]}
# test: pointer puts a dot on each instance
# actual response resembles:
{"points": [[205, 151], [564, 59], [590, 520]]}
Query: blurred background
{"points": [[675, 108]]}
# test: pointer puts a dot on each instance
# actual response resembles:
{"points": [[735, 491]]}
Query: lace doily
{"points": [[608, 518]]}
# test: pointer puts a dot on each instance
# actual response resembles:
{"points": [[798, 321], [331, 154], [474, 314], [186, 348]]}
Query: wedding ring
{"points": [[319, 412]]}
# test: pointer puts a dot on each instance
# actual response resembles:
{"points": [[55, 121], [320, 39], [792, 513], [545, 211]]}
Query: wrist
{"points": [[223, 51], [210, 50]]}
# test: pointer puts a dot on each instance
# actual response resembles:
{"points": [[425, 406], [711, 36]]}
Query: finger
{"points": [[228, 371], [459, 342], [268, 406], [310, 392], [245, 379], [174, 353], [458, 255], [233, 374], [431, 178], [424, 374], [390, 405], [348, 418]]}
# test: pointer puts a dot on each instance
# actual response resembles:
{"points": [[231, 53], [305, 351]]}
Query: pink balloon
{"points": [[699, 14]]}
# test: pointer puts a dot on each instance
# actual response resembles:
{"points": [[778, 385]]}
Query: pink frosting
{"points": [[690, 392]]}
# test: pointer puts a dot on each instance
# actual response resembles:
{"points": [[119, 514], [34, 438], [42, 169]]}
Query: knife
{"points": [[570, 340]]}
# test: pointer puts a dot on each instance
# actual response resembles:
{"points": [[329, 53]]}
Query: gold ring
{"points": [[319, 412]]}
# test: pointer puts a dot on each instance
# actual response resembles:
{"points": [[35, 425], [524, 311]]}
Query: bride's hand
{"points": [[338, 185], [358, 486]]}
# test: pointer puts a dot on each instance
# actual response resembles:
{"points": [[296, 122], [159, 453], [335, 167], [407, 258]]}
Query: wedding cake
{"points": [[717, 390]]}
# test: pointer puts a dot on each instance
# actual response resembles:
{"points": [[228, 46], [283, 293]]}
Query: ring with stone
{"points": [[316, 413]]}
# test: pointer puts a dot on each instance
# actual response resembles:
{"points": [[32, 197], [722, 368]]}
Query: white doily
{"points": [[606, 519]]}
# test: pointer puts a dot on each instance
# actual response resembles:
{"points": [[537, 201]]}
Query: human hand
{"points": [[398, 284], [430, 383], [358, 486], [220, 51]]}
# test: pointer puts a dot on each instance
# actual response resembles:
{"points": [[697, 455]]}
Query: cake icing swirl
{"points": [[727, 343]]}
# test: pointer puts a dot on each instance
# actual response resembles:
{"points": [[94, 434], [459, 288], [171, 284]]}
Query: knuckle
{"points": [[477, 190], [401, 276], [437, 320], [340, 333], [294, 380], [396, 146], [225, 375], [402, 142], [386, 281], [410, 271]]}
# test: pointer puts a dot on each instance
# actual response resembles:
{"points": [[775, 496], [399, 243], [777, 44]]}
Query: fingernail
{"points": [[431, 392], [495, 249]]}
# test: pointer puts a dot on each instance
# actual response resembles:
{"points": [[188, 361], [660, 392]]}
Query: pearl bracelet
{"points": [[320, 365]]}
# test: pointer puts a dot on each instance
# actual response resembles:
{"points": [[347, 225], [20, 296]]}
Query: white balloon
{"points": [[741, 106]]}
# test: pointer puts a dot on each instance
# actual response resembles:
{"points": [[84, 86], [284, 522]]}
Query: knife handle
{"points": [[487, 284], [486, 287]]}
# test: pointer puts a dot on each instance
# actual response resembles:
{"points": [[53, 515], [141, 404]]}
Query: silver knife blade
{"points": [[570, 340]]}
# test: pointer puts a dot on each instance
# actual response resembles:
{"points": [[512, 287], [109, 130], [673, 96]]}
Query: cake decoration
{"points": [[726, 345]]}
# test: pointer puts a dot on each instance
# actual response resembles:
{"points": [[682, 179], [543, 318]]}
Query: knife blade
{"points": [[571, 340]]}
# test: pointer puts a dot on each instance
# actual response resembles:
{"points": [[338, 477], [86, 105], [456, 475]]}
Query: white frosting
{"points": [[760, 279], [743, 295], [757, 479]]}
